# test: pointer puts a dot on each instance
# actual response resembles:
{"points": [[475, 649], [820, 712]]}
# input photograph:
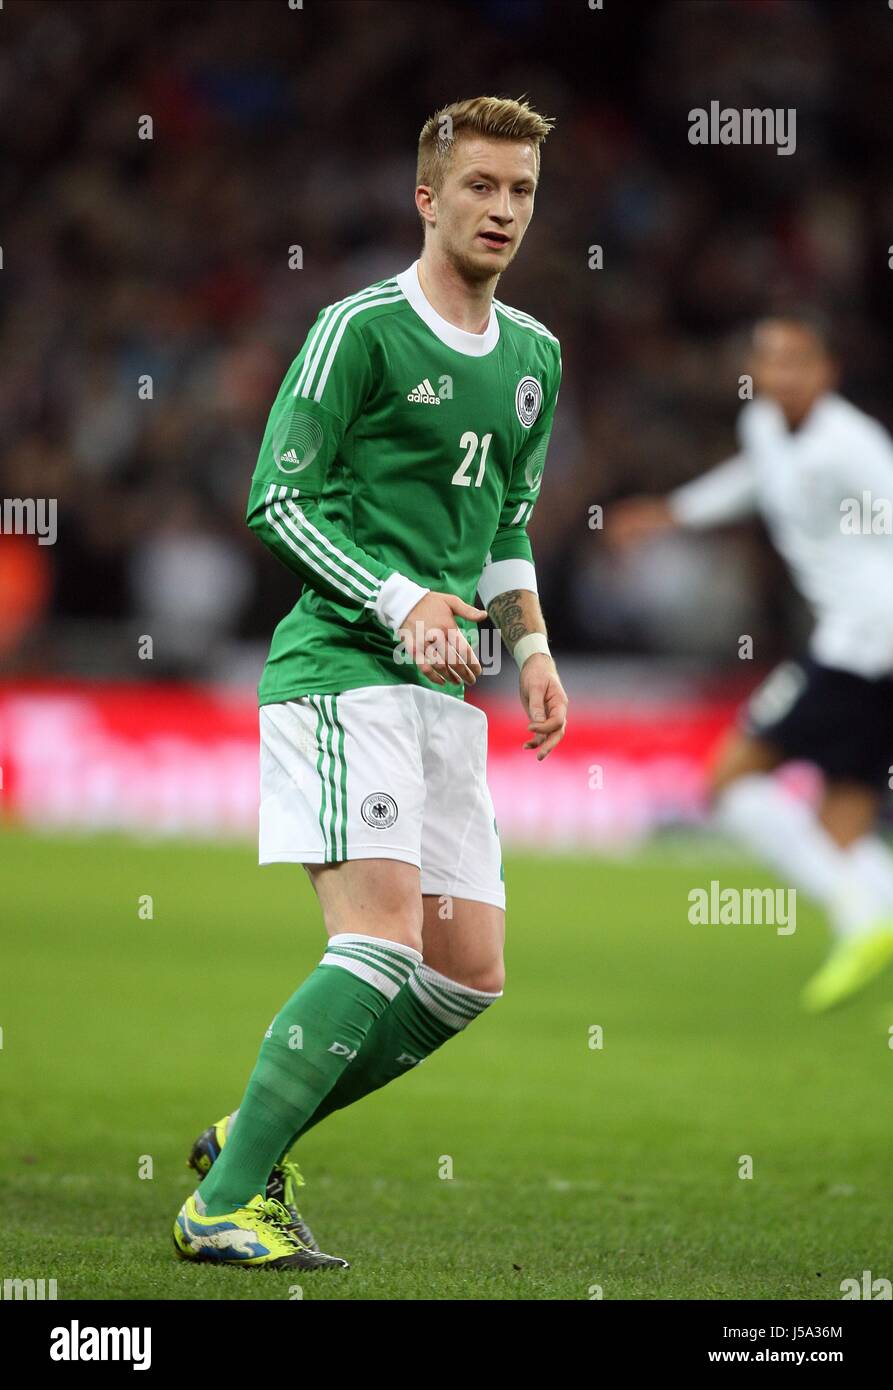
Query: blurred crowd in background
{"points": [[168, 258]]}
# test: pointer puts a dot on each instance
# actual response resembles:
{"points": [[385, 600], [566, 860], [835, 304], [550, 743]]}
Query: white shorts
{"points": [[383, 772]]}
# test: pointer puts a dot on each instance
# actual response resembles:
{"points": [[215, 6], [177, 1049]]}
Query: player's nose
{"points": [[502, 210]]}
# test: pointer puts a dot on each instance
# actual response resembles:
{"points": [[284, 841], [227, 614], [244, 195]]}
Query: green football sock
{"points": [[429, 1010], [313, 1039]]}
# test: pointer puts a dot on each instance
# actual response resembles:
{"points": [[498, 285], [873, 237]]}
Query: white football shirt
{"points": [[825, 491]]}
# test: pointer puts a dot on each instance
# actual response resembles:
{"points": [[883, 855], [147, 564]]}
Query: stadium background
{"points": [[275, 127], [170, 257]]}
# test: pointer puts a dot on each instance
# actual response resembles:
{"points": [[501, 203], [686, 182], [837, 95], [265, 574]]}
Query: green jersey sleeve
{"points": [[509, 563], [322, 396]]}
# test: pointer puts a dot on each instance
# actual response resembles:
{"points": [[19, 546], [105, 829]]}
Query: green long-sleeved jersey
{"points": [[402, 454]]}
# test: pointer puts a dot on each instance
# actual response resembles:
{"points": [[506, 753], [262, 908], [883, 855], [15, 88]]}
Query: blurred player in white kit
{"points": [[820, 472]]}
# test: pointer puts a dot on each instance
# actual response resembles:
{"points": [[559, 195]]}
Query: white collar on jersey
{"points": [[471, 344]]}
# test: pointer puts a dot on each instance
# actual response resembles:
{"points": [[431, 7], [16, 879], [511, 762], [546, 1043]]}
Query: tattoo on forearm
{"points": [[507, 613]]}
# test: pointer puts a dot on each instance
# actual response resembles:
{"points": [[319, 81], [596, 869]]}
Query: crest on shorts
{"points": [[379, 810], [528, 399]]}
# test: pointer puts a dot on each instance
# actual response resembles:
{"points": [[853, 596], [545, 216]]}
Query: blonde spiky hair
{"points": [[499, 118]]}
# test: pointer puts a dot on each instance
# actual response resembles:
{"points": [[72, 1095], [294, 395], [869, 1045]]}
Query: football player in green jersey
{"points": [[397, 475]]}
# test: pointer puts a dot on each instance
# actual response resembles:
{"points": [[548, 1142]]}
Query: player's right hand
{"points": [[439, 648], [636, 519]]}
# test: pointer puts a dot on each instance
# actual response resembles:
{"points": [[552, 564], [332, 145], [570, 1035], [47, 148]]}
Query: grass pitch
{"points": [[574, 1166]]}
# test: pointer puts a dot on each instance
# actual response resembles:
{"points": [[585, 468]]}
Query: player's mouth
{"points": [[497, 239]]}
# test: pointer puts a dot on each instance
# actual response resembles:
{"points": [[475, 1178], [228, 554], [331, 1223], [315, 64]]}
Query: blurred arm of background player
{"points": [[726, 493]]}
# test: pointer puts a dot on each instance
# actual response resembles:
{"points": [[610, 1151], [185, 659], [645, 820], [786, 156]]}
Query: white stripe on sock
{"points": [[387, 986], [467, 1003]]}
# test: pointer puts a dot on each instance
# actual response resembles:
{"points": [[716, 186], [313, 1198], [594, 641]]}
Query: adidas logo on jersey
{"points": [[424, 393], [290, 457]]}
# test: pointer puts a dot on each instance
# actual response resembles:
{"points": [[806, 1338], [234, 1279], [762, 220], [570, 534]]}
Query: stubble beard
{"points": [[472, 271]]}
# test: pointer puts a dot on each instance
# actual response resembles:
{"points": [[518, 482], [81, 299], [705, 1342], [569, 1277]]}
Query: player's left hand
{"points": [[545, 702]]}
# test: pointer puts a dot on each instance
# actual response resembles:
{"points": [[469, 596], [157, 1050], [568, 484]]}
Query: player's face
{"points": [[485, 204], [791, 366]]}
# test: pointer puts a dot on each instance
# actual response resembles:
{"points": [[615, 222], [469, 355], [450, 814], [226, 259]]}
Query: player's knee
{"points": [[403, 928], [399, 919], [739, 758], [488, 979], [402, 925]]}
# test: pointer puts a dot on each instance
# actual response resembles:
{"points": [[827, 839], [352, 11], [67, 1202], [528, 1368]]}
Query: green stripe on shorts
{"points": [[333, 782]]}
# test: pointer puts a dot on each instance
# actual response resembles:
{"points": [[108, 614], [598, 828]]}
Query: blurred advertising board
{"points": [[175, 760]]}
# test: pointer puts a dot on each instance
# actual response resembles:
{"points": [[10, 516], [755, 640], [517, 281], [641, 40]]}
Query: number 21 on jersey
{"points": [[469, 442]]}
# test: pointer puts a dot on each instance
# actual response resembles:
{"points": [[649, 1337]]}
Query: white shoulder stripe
{"points": [[339, 334], [521, 314], [524, 320], [316, 347], [321, 328]]}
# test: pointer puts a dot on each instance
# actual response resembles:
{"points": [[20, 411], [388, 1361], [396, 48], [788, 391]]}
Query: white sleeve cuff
{"points": [[502, 575], [397, 597]]}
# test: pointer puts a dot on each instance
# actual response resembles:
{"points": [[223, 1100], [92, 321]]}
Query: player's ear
{"points": [[426, 202]]}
